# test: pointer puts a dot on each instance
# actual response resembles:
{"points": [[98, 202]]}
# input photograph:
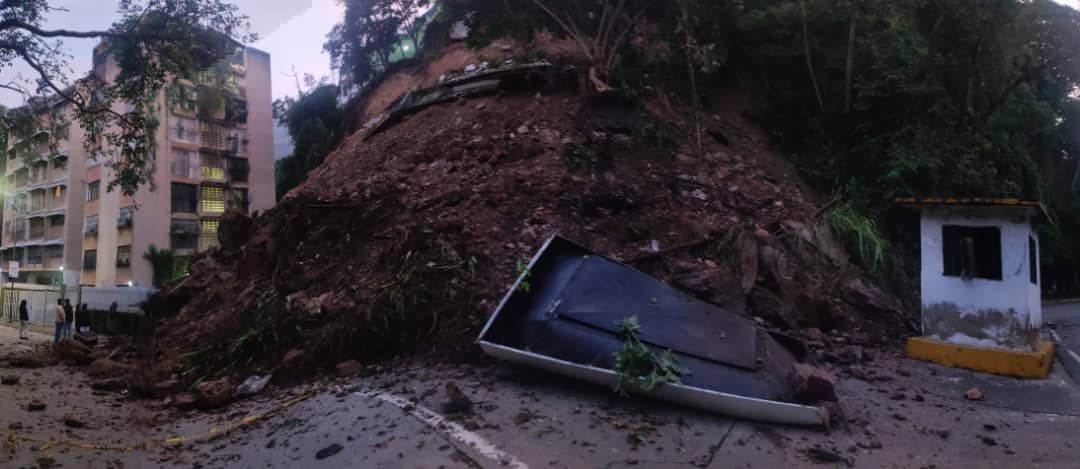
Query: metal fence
{"points": [[41, 300]]}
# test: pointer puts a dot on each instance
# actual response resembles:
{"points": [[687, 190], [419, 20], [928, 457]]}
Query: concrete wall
{"points": [[981, 312]]}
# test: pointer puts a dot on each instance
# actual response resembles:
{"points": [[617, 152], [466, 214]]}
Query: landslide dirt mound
{"points": [[405, 243]]}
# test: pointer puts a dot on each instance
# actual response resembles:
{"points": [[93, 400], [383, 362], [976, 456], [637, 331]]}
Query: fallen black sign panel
{"points": [[565, 322]]}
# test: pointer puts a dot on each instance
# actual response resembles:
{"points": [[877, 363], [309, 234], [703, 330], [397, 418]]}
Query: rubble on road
{"points": [[10, 380], [74, 352], [404, 242]]}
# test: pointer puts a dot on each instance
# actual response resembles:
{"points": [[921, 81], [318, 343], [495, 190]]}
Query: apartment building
{"points": [[42, 215], [214, 152]]}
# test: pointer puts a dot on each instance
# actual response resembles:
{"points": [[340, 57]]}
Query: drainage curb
{"points": [[1068, 358]]}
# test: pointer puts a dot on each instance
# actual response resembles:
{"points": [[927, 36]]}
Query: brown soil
{"points": [[405, 243]]}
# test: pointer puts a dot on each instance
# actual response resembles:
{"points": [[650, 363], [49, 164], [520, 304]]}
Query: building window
{"points": [[54, 251], [208, 233], [37, 228], [213, 166], [59, 191], [184, 198], [125, 217], [184, 234], [972, 252], [1033, 261], [91, 227], [212, 199], [37, 200], [123, 256], [89, 260], [238, 200], [93, 160], [184, 130], [185, 163], [56, 220], [93, 191], [35, 256]]}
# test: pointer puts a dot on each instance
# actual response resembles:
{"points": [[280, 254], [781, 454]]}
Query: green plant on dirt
{"points": [[861, 236], [579, 155], [523, 271], [263, 335], [654, 133], [637, 366]]}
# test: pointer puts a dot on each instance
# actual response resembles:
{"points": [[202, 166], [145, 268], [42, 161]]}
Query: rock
{"points": [[328, 451], [183, 400], [900, 417], [15, 426], [89, 339], [36, 405], [814, 334], [870, 298], [988, 441], [106, 367], [824, 456], [26, 362], [253, 385], [10, 380], [523, 130], [973, 394], [456, 402], [812, 384], [293, 368], [871, 445], [772, 308], [74, 352], [164, 388], [692, 276], [108, 384], [73, 422], [348, 368], [214, 394]]}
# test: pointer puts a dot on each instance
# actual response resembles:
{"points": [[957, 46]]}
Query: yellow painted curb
{"points": [[1001, 362]]}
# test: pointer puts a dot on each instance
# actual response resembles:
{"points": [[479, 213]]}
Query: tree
{"points": [[152, 42], [363, 42], [313, 120], [600, 29]]}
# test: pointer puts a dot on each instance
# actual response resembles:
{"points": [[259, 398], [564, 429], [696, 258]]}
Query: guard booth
{"points": [[980, 286]]}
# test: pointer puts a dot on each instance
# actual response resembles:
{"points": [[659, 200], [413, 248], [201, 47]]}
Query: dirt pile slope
{"points": [[405, 243]]}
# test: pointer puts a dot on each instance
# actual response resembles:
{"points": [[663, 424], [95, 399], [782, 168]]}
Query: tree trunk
{"points": [[809, 62], [849, 68], [691, 45]]}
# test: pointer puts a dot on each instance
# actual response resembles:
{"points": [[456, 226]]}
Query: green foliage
{"points": [[165, 264], [637, 366], [313, 120], [860, 234], [372, 32], [579, 155], [151, 42], [523, 271], [265, 333]]}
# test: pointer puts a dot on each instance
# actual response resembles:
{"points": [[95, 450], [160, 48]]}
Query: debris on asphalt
{"points": [[214, 394], [973, 394], [456, 401], [253, 385], [348, 368], [35, 405], [823, 456], [328, 451], [10, 379]]}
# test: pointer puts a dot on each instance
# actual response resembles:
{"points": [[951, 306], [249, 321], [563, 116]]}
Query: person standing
{"points": [[59, 320], [24, 321], [69, 318], [110, 318]]}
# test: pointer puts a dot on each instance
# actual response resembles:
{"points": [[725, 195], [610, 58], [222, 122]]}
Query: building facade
{"points": [[42, 215], [214, 151]]}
